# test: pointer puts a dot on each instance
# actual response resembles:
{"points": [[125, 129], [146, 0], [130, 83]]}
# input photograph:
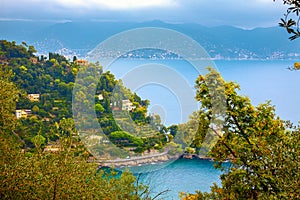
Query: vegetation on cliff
{"points": [[53, 79]]}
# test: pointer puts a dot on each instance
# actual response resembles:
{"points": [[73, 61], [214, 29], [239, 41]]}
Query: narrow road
{"points": [[135, 158]]}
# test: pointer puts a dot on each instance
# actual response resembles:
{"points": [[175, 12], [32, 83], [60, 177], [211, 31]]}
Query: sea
{"points": [[169, 85], [182, 175]]}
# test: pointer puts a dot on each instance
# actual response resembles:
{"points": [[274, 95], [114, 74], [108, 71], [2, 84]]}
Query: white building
{"points": [[100, 97], [127, 105]]}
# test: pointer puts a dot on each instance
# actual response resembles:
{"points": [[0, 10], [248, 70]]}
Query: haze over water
{"points": [[260, 80]]}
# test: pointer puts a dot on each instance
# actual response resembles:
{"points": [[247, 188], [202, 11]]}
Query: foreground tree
{"points": [[262, 149]]}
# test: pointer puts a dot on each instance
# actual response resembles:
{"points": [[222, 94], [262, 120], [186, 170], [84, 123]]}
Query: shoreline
{"points": [[195, 156], [153, 159]]}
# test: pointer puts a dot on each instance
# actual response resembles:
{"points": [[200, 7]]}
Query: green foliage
{"points": [[9, 140], [37, 173], [173, 129], [8, 96], [126, 139], [291, 20], [35, 109], [38, 140], [54, 80], [187, 134], [139, 115], [99, 108], [263, 151], [175, 148], [61, 175], [9, 50]]}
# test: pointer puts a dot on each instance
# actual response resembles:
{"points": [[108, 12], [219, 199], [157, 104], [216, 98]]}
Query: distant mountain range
{"points": [[223, 42]]}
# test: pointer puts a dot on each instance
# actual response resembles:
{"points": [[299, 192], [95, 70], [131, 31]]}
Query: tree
{"points": [[9, 93], [99, 108], [119, 137], [62, 175], [35, 109], [74, 58], [173, 129], [9, 140], [263, 153], [38, 141], [31, 50], [291, 20]]}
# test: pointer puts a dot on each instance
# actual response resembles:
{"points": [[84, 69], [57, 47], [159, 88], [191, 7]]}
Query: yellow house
{"points": [[34, 97]]}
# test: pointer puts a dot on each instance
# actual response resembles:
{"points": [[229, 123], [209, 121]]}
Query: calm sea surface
{"points": [[182, 175], [260, 80]]}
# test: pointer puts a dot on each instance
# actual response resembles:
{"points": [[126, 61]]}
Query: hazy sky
{"points": [[241, 13]]}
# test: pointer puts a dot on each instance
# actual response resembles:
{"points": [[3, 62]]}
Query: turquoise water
{"points": [[182, 175], [260, 80]]}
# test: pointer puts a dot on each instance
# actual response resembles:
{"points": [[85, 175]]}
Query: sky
{"points": [[239, 13]]}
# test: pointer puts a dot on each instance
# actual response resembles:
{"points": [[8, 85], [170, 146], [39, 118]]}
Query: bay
{"points": [[259, 80], [183, 175]]}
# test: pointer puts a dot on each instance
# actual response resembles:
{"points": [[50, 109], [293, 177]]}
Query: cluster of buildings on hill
{"points": [[23, 113], [127, 105]]}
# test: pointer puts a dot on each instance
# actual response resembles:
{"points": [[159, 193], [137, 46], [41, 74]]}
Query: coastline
{"points": [[195, 156], [145, 160]]}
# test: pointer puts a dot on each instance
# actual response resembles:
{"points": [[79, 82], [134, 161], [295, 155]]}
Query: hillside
{"points": [[46, 98]]}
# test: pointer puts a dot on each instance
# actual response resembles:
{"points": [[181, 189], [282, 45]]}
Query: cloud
{"points": [[214, 12], [94, 4]]}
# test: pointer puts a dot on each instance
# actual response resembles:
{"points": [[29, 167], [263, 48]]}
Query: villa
{"points": [[127, 105]]}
